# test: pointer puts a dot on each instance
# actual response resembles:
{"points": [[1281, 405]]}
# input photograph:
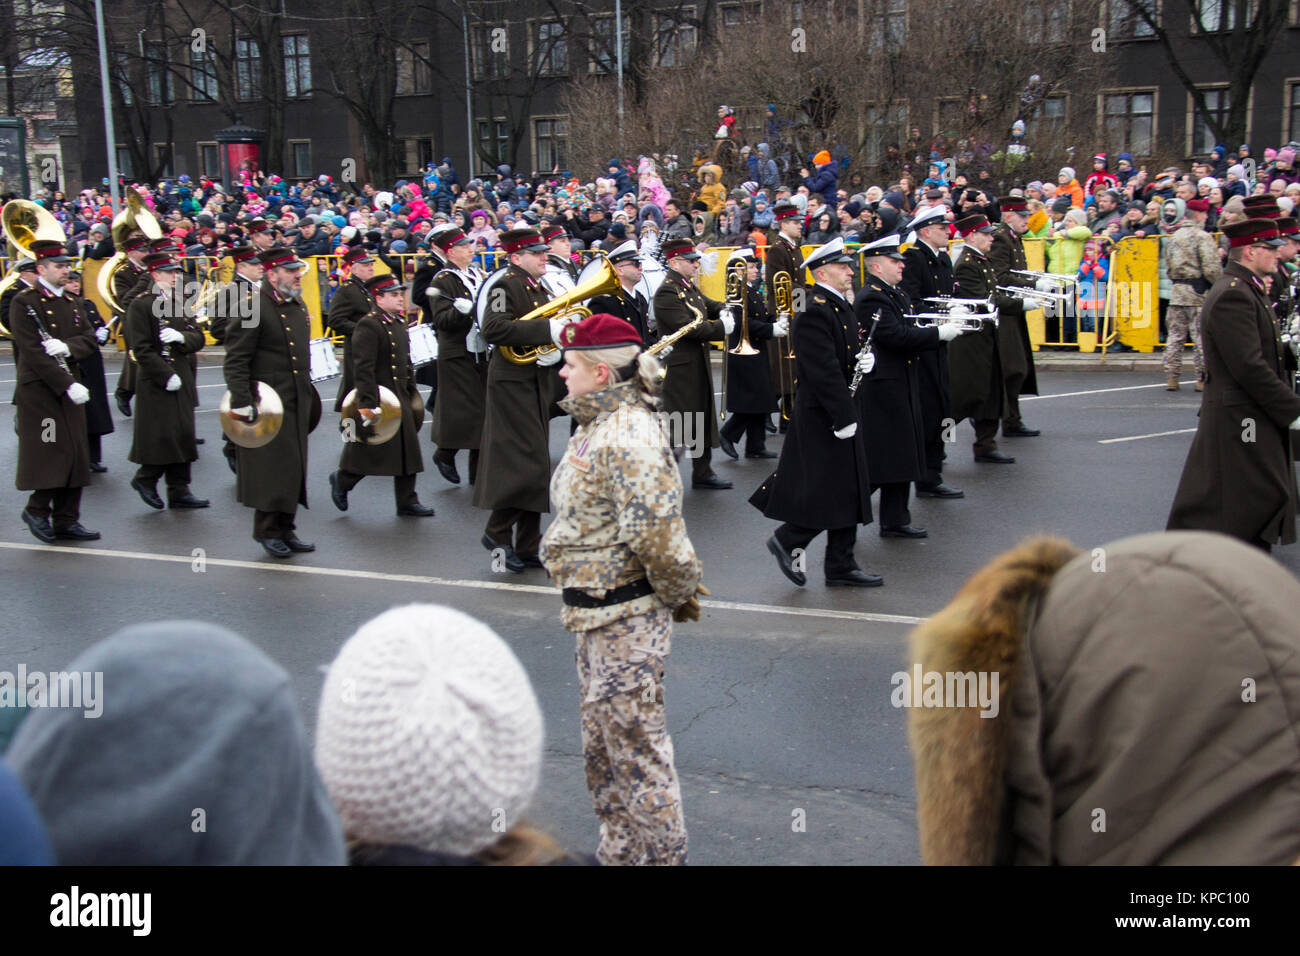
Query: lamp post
{"points": [[110, 137]]}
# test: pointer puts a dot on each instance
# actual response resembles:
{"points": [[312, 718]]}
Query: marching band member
{"points": [[99, 418], [125, 280], [462, 356], [162, 338], [975, 369], [234, 303], [348, 307], [272, 479], [1006, 254], [889, 399], [618, 549], [821, 481], [515, 470], [49, 334], [749, 397], [381, 356], [784, 255], [688, 386], [627, 303], [561, 274], [927, 273]]}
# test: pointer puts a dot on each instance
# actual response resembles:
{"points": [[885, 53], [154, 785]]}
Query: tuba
{"points": [[25, 222], [603, 281], [136, 217]]}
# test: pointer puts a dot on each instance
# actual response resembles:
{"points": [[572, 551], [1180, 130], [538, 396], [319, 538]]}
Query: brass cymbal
{"points": [[270, 416], [381, 429]]}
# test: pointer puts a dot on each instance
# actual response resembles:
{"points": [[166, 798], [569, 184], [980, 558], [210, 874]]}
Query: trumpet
{"points": [[964, 306], [967, 322], [1064, 288]]}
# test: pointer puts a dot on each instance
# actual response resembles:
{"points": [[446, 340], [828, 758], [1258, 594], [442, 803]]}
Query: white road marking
{"points": [[1096, 391], [425, 580], [1112, 441]]}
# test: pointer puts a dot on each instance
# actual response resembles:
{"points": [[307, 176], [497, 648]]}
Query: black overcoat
{"points": [[974, 368]]}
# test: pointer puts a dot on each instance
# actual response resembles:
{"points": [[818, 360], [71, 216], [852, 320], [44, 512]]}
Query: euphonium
{"points": [[604, 282], [136, 217], [25, 222]]}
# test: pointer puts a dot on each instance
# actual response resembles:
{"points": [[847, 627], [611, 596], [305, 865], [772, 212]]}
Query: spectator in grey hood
{"points": [[22, 835], [199, 757]]}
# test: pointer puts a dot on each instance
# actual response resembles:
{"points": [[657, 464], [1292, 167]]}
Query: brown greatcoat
{"points": [[164, 421], [462, 375], [381, 355], [1240, 476], [41, 392], [272, 348], [515, 467], [1014, 349], [351, 304], [688, 385], [782, 257], [1122, 693]]}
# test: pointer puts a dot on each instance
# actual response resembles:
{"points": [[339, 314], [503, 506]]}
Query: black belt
{"points": [[577, 597]]}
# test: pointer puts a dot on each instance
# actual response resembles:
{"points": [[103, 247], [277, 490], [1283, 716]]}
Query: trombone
{"points": [[783, 305]]}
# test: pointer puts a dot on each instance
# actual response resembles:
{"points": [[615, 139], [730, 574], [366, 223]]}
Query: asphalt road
{"points": [[778, 699]]}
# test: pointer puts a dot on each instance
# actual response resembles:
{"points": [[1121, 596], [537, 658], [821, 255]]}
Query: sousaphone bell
{"points": [[255, 434], [379, 430]]}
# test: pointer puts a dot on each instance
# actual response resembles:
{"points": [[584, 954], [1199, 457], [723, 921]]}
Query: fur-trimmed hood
{"points": [[1149, 711]]}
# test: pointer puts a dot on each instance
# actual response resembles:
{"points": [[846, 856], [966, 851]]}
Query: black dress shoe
{"points": [[337, 494], [786, 560], [1020, 431], [149, 495], [713, 481], [857, 578], [187, 500], [447, 469], [416, 510], [40, 527], [769, 426], [533, 562], [294, 543], [75, 532], [514, 563], [904, 531], [939, 491], [98, 467], [995, 457], [761, 454], [200, 441], [123, 404], [728, 447], [275, 547]]}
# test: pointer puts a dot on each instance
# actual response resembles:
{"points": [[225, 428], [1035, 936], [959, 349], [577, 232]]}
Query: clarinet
{"points": [[862, 353], [45, 337]]}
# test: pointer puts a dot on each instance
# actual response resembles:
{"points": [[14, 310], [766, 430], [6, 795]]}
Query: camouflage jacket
{"points": [[1190, 253], [617, 497]]}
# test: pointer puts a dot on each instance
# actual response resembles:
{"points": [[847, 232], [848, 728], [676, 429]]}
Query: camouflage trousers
{"points": [[628, 753], [1182, 321]]}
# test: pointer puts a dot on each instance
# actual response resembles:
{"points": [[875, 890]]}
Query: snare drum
{"points": [[424, 344], [324, 363]]}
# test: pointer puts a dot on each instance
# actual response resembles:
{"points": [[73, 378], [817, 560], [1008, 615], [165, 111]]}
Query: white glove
{"points": [[728, 321], [848, 431], [1046, 285], [170, 336], [867, 363], [368, 420], [1296, 423], [949, 332], [101, 334], [781, 328], [78, 393], [56, 348], [463, 306], [557, 326], [550, 358], [174, 383], [247, 412], [474, 341]]}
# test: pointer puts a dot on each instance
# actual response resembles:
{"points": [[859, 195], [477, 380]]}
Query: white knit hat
{"points": [[429, 734]]}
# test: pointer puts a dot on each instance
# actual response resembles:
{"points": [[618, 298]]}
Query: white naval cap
{"points": [[929, 216], [827, 253], [891, 245]]}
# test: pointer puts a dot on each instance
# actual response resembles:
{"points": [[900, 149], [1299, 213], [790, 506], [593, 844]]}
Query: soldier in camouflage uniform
{"points": [[618, 548], [1192, 260]]}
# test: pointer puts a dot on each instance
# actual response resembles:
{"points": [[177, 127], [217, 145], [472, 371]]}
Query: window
{"points": [[888, 24], [248, 70], [1048, 122], [1211, 16], [209, 160], [550, 48], [203, 76], [1292, 109], [674, 39], [496, 151], [736, 15], [950, 117], [123, 79], [413, 74], [551, 143], [417, 153], [1217, 105], [491, 49], [884, 125], [297, 66], [1128, 121], [158, 78], [300, 158], [162, 159], [603, 58], [1046, 21], [1125, 23], [124, 168]]}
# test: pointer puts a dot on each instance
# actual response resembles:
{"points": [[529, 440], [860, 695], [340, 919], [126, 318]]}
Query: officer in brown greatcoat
{"points": [[49, 335], [348, 307]]}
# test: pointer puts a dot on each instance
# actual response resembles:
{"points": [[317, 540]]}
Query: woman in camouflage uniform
{"points": [[618, 548]]}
